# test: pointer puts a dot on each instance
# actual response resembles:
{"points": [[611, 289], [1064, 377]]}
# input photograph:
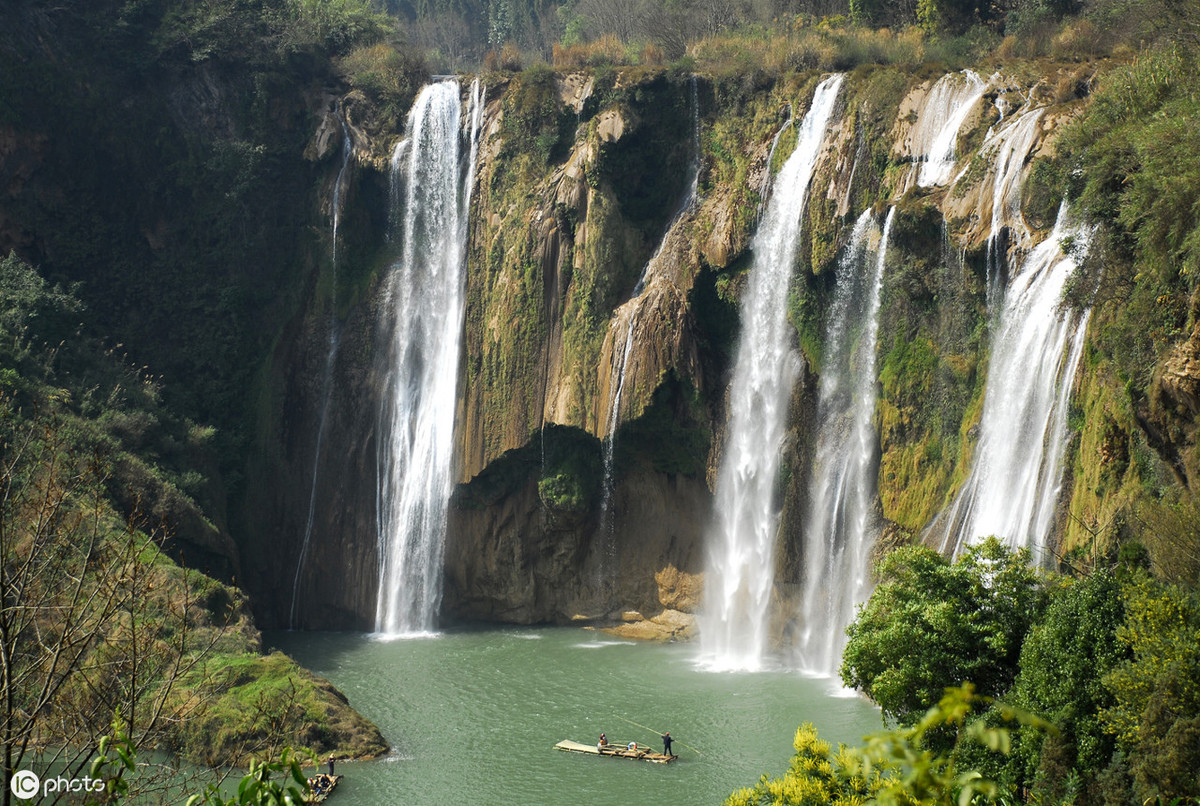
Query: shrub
{"points": [[607, 50], [389, 76], [931, 621], [1156, 710]]}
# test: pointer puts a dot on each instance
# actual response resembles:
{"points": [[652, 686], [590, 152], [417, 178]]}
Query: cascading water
{"points": [[1009, 147], [327, 374], [626, 319], [840, 527], [935, 134], [741, 548], [1016, 472], [425, 294]]}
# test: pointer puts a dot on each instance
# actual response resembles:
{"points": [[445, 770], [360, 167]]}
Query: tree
{"points": [[90, 625], [1156, 710], [895, 767], [1063, 661], [931, 621]]}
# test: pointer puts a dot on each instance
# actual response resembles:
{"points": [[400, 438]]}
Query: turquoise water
{"points": [[473, 716]]}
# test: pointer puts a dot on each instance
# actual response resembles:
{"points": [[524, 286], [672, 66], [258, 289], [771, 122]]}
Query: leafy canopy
{"points": [[931, 621]]}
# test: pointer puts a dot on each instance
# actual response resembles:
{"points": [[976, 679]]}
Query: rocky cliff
{"points": [[575, 250], [601, 313]]}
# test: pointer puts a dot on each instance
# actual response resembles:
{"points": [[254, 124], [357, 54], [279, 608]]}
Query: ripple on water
{"points": [[600, 643]]}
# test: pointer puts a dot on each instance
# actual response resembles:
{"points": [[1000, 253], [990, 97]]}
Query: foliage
{"points": [[30, 308], [332, 25], [813, 778], [1156, 710], [391, 77], [828, 45], [571, 471], [900, 766], [1063, 660], [534, 122], [259, 787], [112, 770], [96, 618], [1139, 159], [930, 621], [255, 705], [1169, 528]]}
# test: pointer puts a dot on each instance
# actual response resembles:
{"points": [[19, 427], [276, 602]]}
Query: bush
{"points": [[1156, 693], [897, 766], [332, 25], [1063, 661], [931, 622], [389, 76], [607, 50]]}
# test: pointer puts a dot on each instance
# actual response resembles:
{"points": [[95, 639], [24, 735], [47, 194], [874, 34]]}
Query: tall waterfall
{"points": [[841, 524], [424, 300], [327, 374], [741, 548], [935, 133], [1016, 472]]}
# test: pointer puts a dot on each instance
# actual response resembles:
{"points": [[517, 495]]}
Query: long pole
{"points": [[659, 732]]}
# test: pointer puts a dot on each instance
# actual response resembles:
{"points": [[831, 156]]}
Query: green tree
{"points": [[1156, 709], [1063, 661], [931, 621], [814, 777], [899, 766]]}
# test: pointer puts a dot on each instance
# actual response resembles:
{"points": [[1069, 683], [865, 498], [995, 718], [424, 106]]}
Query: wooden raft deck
{"points": [[330, 782], [615, 751]]}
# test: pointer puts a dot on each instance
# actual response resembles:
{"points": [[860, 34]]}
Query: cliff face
{"points": [[602, 305], [601, 317]]}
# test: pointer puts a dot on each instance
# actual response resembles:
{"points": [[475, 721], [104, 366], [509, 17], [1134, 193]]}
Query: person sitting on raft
{"points": [[602, 745]]}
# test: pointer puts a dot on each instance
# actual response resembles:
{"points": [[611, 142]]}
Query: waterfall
{"points": [[327, 374], [424, 304], [741, 548], [1016, 472], [1009, 147], [764, 192], [841, 525], [935, 133], [626, 319]]}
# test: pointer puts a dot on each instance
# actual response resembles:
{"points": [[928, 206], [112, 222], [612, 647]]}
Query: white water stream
{"points": [[1016, 472], [934, 136], [424, 300], [1009, 148], [626, 317], [841, 525], [741, 547]]}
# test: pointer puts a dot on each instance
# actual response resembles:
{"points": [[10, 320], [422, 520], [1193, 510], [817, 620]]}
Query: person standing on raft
{"points": [[666, 737]]}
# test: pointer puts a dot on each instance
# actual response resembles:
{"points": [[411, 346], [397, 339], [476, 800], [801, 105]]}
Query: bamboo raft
{"points": [[319, 794], [615, 751]]}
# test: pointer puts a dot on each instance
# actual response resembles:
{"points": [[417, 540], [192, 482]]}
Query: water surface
{"points": [[473, 716]]}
